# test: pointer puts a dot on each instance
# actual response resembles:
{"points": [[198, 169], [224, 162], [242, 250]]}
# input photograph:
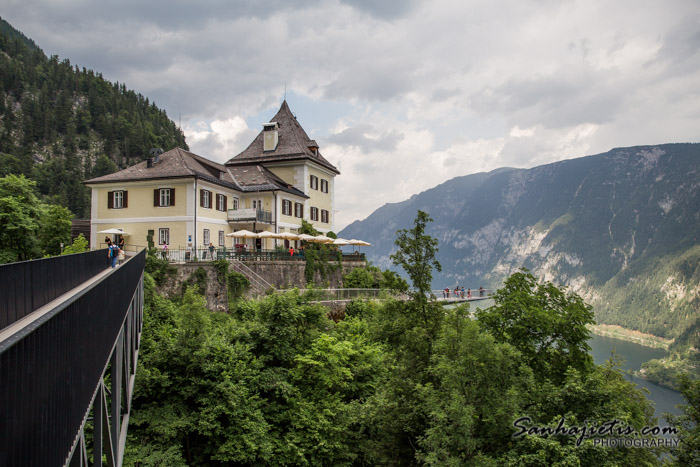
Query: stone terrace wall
{"points": [[290, 274], [280, 274]]}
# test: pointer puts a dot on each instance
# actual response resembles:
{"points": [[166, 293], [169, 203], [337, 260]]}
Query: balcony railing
{"points": [[244, 216]]}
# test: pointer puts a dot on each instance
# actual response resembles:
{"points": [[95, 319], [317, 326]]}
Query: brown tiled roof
{"points": [[258, 178], [176, 163], [293, 144]]}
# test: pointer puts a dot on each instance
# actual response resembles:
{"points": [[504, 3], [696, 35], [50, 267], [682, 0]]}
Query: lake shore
{"points": [[630, 335]]}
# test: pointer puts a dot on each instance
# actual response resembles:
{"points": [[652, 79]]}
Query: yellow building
{"points": [[187, 201]]}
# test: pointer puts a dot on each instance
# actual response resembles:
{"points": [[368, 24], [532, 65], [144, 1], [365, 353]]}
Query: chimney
{"points": [[155, 152], [270, 136], [149, 163]]}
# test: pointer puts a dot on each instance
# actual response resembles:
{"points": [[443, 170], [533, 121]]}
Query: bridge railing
{"points": [[351, 294], [52, 371], [467, 294], [29, 285]]}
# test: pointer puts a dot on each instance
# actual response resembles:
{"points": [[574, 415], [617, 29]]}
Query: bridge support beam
{"points": [[110, 419]]}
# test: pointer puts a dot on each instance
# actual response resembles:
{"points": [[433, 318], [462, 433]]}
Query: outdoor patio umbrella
{"points": [[288, 236], [306, 237], [113, 231], [323, 239], [243, 234], [267, 234], [341, 241]]}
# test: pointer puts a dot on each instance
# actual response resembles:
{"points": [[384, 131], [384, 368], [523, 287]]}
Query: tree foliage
{"points": [[546, 324], [276, 382], [29, 228], [416, 253]]}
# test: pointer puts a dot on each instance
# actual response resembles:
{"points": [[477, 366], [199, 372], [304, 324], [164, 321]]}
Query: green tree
{"points": [[54, 230], [79, 245], [103, 166], [416, 255], [547, 325], [688, 424], [479, 385], [20, 219]]}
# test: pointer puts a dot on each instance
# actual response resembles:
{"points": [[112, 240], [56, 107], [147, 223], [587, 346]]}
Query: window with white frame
{"points": [[206, 237], [314, 214], [220, 202], [163, 236], [235, 203], [324, 186], [205, 198], [221, 238], [286, 207], [257, 204], [165, 197], [298, 210], [118, 199], [324, 216], [314, 182]]}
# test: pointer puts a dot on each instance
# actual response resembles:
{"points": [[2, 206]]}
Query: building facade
{"points": [[187, 201]]}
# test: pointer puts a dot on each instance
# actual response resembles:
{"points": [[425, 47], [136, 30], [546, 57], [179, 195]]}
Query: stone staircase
{"points": [[258, 285]]}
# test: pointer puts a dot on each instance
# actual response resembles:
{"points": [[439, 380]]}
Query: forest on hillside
{"points": [[398, 383], [61, 124]]}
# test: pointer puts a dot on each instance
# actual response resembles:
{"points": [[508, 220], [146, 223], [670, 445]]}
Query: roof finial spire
{"points": [[285, 91]]}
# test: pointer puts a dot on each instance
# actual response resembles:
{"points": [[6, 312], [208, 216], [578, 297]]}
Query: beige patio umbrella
{"points": [[114, 231], [306, 237], [288, 236], [341, 241], [323, 239], [267, 234], [359, 242], [243, 234]]}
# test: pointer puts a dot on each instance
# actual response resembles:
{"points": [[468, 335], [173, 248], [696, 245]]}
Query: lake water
{"points": [[665, 399]]}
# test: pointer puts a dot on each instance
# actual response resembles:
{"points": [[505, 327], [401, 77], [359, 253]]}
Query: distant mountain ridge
{"points": [[620, 228]]}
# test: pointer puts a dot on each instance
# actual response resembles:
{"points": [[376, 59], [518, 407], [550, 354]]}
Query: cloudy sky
{"points": [[400, 95]]}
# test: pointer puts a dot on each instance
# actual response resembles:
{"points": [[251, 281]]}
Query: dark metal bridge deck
{"points": [[66, 324]]}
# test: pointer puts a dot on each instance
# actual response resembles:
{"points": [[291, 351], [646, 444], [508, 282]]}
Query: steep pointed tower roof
{"points": [[292, 144]]}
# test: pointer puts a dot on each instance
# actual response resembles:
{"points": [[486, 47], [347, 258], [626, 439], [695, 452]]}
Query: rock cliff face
{"points": [[619, 228]]}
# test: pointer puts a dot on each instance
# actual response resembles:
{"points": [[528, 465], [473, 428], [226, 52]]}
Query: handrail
{"points": [[53, 366], [255, 279], [28, 285]]}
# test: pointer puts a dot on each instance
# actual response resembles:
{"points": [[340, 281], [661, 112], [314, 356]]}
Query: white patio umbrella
{"points": [[323, 239], [113, 231], [359, 242], [341, 241], [306, 237], [288, 236], [267, 234], [243, 234]]}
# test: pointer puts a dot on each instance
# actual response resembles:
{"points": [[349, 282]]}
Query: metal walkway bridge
{"points": [[69, 339]]}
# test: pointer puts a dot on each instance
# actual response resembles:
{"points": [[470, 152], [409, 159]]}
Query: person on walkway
{"points": [[211, 250], [462, 292], [164, 251], [291, 251], [469, 293], [481, 291], [113, 253], [120, 242]]}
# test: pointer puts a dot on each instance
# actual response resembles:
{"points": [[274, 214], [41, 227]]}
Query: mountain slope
{"points": [[60, 124], [621, 228]]}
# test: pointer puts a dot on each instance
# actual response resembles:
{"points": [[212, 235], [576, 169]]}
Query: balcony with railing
{"points": [[249, 215]]}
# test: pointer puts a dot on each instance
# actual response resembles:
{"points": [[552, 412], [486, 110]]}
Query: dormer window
{"points": [[270, 136]]}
